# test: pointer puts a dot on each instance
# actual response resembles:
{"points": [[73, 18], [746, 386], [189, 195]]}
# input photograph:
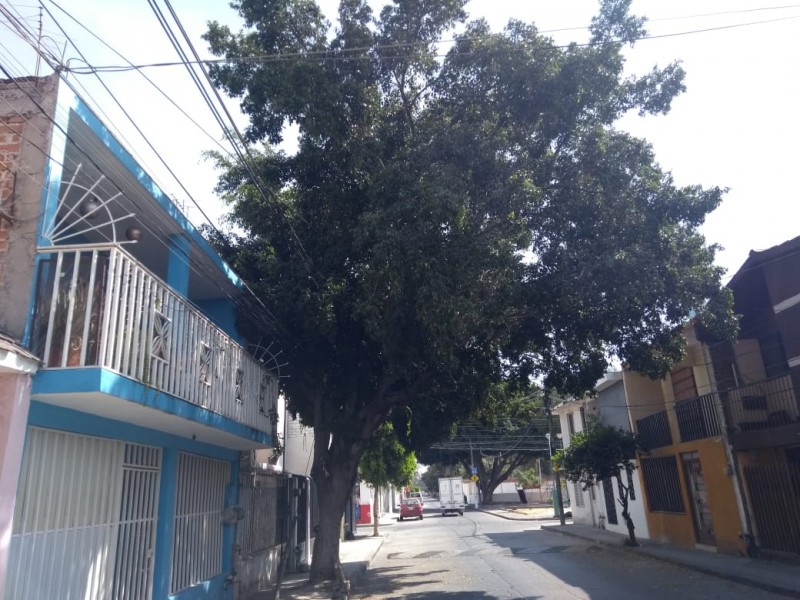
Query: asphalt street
{"points": [[481, 557]]}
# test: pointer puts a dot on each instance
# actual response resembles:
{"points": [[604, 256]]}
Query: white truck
{"points": [[451, 495]]}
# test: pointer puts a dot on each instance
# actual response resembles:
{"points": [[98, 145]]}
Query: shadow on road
{"points": [[384, 583]]}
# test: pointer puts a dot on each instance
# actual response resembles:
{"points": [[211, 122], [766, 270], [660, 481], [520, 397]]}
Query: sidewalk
{"points": [[773, 576], [355, 556]]}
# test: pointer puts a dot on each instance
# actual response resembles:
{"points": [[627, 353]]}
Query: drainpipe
{"points": [[738, 489]]}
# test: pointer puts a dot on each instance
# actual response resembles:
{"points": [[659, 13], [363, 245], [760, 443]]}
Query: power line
{"points": [[337, 56]]}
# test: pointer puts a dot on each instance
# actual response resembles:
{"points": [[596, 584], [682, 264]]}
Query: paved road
{"points": [[481, 557]]}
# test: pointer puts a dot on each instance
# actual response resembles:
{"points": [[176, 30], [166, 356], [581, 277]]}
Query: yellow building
{"points": [[691, 491]]}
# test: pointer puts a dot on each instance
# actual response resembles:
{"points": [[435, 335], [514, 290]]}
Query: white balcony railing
{"points": [[96, 306]]}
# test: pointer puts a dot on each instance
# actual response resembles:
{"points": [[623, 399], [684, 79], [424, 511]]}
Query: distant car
{"points": [[417, 496], [410, 508]]}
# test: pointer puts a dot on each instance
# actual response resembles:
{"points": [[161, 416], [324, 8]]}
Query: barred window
{"points": [[630, 486], [662, 484], [578, 495]]}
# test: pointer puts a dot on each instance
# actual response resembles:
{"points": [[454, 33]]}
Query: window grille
{"points": [[632, 490], [662, 484], [611, 503], [578, 495]]}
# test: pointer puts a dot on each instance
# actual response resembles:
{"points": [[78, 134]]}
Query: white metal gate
{"points": [[72, 535], [200, 499], [133, 571]]}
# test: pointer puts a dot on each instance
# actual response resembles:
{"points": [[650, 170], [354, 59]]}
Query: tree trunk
{"points": [[623, 500], [334, 472], [376, 511]]}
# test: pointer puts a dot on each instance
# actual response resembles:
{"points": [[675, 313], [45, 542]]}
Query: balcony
{"points": [[654, 430], [764, 405], [697, 418], [98, 307]]}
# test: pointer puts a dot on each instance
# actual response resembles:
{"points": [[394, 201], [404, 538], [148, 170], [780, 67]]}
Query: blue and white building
{"points": [[146, 402]]}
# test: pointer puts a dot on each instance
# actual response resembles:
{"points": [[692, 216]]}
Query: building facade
{"points": [[689, 483], [146, 406], [598, 506], [758, 378]]}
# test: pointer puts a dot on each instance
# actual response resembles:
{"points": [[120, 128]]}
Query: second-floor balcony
{"points": [[766, 404], [698, 418], [98, 307]]}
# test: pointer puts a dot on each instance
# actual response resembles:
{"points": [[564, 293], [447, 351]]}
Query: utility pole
{"points": [[559, 505]]}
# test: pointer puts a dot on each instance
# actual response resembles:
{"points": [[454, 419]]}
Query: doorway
{"points": [[698, 498]]}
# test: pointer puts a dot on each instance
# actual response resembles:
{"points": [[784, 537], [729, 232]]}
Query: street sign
{"points": [[473, 470], [474, 479]]}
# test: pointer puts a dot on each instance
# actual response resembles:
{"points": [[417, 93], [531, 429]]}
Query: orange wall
{"points": [[678, 529]]}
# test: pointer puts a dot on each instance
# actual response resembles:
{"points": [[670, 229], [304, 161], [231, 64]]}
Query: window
{"points": [[683, 386], [578, 495], [632, 493], [662, 484], [611, 503], [571, 423], [583, 418]]}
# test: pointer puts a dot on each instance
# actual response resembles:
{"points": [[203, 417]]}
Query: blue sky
{"points": [[736, 126]]}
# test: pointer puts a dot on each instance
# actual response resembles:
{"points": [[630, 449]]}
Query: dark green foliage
{"points": [[449, 222]]}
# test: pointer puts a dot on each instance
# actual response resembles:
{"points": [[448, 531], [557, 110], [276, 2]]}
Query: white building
{"points": [[598, 506]]}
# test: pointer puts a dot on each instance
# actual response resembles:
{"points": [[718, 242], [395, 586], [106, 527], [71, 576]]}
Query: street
{"points": [[481, 556]]}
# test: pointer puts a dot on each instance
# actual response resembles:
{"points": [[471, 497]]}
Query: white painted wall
{"points": [[608, 406]]}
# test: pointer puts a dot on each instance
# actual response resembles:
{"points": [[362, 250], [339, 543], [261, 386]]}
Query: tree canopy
{"points": [[450, 218]]}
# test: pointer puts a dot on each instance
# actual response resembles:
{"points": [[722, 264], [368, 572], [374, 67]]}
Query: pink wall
{"points": [[15, 395]]}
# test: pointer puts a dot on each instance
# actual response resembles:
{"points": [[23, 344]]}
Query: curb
{"points": [[508, 518], [356, 573], [767, 587]]}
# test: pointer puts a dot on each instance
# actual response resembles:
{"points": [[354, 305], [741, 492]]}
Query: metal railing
{"points": [[97, 306], [654, 431], [762, 405], [697, 418]]}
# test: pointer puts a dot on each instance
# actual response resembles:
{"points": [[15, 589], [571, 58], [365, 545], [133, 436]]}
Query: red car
{"points": [[410, 508]]}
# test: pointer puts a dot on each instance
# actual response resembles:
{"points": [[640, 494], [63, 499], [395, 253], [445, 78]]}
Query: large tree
{"points": [[505, 433], [450, 218]]}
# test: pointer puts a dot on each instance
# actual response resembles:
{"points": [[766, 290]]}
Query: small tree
{"points": [[528, 475], [602, 452], [386, 462]]}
